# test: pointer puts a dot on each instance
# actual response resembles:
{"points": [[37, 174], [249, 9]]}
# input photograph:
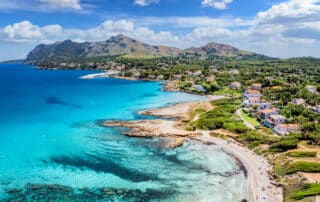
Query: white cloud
{"points": [[218, 4], [26, 32], [292, 11], [23, 32], [65, 4], [285, 30], [145, 2], [191, 22], [41, 5]]}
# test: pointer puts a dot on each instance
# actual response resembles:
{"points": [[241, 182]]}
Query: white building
{"points": [[249, 93], [285, 129]]}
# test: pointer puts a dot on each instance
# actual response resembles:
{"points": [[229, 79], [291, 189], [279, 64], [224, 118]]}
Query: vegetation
{"points": [[227, 91], [308, 167], [282, 81], [221, 117], [285, 143], [306, 190], [299, 154], [249, 119]]}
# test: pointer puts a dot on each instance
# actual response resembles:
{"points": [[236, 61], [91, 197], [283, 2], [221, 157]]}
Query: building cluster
{"points": [[266, 112]]}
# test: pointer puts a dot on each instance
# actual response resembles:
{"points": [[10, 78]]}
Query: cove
{"points": [[53, 146]]}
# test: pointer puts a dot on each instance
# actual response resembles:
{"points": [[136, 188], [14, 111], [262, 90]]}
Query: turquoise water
{"points": [[49, 134]]}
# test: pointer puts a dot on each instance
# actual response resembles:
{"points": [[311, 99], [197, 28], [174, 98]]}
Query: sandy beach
{"points": [[93, 76], [261, 188]]}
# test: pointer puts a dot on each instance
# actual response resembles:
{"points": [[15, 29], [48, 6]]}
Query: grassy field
{"points": [[249, 119]]}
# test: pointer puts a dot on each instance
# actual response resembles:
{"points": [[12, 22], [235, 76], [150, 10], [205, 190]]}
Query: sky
{"points": [[275, 28]]}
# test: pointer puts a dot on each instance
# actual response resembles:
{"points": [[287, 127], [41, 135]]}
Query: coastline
{"points": [[260, 186], [167, 124]]}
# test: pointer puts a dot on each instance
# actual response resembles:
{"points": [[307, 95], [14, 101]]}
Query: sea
{"points": [[53, 147]]}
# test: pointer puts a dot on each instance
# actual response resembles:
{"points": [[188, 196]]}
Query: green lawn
{"points": [[249, 119]]}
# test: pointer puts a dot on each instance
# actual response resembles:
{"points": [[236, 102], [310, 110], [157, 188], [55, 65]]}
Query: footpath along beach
{"points": [[169, 124]]}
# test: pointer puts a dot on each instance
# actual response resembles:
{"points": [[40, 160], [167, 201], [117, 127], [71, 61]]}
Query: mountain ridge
{"points": [[124, 46]]}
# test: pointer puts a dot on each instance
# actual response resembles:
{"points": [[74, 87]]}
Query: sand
{"points": [[152, 128], [260, 185], [177, 111], [93, 76]]}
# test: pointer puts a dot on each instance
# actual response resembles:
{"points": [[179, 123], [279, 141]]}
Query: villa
{"points": [[252, 101], [160, 77], [197, 73], [136, 74], [299, 101], [249, 93], [316, 109], [213, 69], [177, 76], [275, 120], [264, 105], [285, 129], [199, 88], [266, 113], [312, 89], [234, 71], [235, 85], [113, 72], [211, 78], [256, 86]]}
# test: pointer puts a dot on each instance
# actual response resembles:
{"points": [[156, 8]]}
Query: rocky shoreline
{"points": [[261, 187], [169, 125], [151, 128]]}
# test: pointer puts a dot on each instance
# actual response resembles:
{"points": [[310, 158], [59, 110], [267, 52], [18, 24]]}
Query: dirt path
{"points": [[249, 125]]}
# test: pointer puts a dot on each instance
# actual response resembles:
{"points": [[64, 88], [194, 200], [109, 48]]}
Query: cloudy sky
{"points": [[272, 27]]}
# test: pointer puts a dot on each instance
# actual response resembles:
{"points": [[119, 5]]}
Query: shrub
{"points": [[210, 123], [302, 154], [309, 167], [284, 145], [307, 190]]}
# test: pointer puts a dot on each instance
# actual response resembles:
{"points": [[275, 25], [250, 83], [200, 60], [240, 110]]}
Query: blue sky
{"points": [[273, 27]]}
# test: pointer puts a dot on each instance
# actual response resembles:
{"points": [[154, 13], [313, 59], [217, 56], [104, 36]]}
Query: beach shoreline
{"points": [[260, 186], [167, 123]]}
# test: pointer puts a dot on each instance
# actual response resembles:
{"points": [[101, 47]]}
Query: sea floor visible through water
{"points": [[53, 147]]}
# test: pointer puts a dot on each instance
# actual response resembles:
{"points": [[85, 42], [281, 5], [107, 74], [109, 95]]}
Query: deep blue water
{"points": [[49, 134]]}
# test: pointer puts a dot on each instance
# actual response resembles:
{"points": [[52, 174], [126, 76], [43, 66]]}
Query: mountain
{"points": [[17, 61], [124, 46], [217, 49], [115, 46]]}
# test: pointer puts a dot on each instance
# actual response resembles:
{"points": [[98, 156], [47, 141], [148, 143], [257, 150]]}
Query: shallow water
{"points": [[49, 134]]}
